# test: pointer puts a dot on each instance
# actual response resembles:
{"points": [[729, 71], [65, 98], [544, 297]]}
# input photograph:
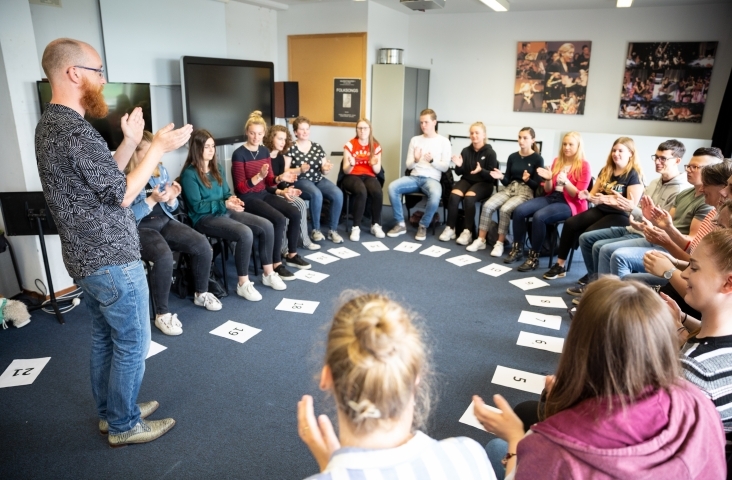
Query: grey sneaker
{"points": [[146, 409], [317, 236], [143, 432], [335, 237], [397, 230], [421, 233], [312, 246]]}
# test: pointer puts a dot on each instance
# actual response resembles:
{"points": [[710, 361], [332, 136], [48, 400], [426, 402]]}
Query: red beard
{"points": [[92, 100]]}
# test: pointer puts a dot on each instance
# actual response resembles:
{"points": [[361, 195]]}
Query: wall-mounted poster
{"points": [[551, 77], [667, 81], [346, 99]]}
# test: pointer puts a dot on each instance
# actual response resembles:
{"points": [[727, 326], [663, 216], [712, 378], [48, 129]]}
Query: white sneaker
{"points": [[207, 300], [465, 238], [312, 246], [317, 236], [273, 280], [248, 291], [478, 244], [169, 324], [497, 249], [334, 237], [447, 234], [377, 231], [355, 234]]}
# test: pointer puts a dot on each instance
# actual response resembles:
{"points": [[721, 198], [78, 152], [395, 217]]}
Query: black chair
{"points": [[347, 195]]}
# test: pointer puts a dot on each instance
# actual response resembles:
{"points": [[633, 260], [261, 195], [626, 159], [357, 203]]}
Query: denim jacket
{"points": [[141, 209]]}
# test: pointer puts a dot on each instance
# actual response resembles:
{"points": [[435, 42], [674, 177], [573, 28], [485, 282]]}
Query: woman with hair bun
{"points": [[377, 370]]}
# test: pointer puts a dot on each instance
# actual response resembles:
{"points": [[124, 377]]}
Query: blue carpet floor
{"points": [[235, 403]]}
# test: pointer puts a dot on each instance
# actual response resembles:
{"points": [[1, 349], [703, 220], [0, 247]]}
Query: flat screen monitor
{"points": [[121, 98], [219, 94]]}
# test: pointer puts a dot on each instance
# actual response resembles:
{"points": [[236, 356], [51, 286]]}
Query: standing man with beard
{"points": [[88, 196]]}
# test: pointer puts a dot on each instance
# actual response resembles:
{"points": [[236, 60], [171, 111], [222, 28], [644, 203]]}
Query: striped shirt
{"points": [[708, 225], [420, 458], [245, 164], [707, 363]]}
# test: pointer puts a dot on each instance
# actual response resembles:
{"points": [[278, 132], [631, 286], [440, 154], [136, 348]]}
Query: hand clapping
{"points": [[317, 434], [234, 203], [457, 160], [544, 173], [495, 173], [132, 125]]}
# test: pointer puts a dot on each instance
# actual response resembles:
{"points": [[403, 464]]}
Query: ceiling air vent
{"points": [[423, 4]]}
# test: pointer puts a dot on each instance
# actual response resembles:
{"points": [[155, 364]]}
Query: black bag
{"points": [[545, 248], [182, 285]]}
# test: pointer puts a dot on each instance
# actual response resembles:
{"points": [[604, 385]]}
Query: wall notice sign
{"points": [[347, 99]]}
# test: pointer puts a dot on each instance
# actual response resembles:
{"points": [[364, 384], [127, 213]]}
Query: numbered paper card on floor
{"points": [[540, 320], [434, 251], [494, 270], [310, 276], [408, 247], [155, 348], [343, 252], [375, 246], [321, 257], [529, 283], [22, 372], [520, 380], [236, 331], [463, 260], [549, 302], [469, 417], [542, 342], [297, 306]]}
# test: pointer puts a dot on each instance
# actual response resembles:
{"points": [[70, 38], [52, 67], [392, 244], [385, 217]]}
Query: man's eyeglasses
{"points": [[100, 71], [658, 158], [692, 168]]}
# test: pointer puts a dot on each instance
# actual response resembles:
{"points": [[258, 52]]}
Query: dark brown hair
{"points": [[195, 158], [269, 138], [534, 146], [300, 120]]}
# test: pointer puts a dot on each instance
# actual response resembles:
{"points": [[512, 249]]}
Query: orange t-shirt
{"points": [[362, 155]]}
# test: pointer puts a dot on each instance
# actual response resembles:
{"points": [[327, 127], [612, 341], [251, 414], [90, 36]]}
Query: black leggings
{"points": [[482, 191], [361, 187], [587, 221], [158, 236], [277, 210]]}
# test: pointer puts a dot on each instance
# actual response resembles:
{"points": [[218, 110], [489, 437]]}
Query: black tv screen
{"points": [[121, 98], [219, 94]]}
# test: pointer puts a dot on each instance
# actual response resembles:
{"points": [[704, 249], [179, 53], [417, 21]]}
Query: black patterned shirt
{"points": [[84, 189], [314, 157]]}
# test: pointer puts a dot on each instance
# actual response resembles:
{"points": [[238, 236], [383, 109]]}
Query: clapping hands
{"points": [[318, 434], [234, 203], [544, 173]]}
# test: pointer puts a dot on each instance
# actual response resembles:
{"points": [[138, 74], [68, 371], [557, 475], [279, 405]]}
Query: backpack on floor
{"points": [[415, 218]]}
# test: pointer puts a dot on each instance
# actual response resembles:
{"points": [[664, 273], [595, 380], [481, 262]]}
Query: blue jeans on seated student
{"points": [[591, 243], [116, 296], [413, 184], [543, 210], [314, 192], [625, 257], [496, 450]]}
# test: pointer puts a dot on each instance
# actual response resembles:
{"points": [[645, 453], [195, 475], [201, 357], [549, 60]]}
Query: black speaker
{"points": [[287, 100]]}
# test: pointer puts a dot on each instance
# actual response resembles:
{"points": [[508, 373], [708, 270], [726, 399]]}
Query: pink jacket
{"points": [[665, 435], [575, 203]]}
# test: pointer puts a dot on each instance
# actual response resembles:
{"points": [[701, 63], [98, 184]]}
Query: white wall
{"points": [[472, 62]]}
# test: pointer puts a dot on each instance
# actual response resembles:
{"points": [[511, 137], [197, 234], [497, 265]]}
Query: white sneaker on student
{"points": [[447, 234], [465, 238], [377, 231], [169, 324], [207, 300], [355, 234], [248, 291], [273, 280], [497, 249], [317, 235], [478, 244], [335, 237]]}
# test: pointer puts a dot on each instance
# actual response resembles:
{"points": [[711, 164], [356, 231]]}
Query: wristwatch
{"points": [[668, 273]]}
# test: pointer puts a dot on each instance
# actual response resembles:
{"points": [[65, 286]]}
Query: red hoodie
{"points": [[665, 435]]}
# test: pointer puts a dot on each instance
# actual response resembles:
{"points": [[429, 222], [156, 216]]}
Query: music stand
{"points": [[26, 213]]}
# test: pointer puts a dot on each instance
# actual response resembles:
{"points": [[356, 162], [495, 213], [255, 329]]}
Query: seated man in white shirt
{"points": [[428, 156]]}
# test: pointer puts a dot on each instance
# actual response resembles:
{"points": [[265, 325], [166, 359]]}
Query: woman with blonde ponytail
{"points": [[377, 370]]}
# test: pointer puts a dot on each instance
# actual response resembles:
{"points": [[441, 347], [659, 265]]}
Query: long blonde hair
{"points": [[607, 171], [147, 137], [378, 362], [574, 162]]}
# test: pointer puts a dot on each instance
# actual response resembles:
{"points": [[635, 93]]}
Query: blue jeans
{"points": [[116, 296], [543, 210], [496, 450], [314, 192], [591, 242], [429, 186], [625, 257]]}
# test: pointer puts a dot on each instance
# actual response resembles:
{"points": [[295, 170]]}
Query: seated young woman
{"points": [[256, 185], [377, 370], [706, 354], [521, 179], [616, 192], [617, 407], [277, 140], [160, 233], [569, 175], [475, 163], [310, 158], [361, 164], [216, 212]]}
